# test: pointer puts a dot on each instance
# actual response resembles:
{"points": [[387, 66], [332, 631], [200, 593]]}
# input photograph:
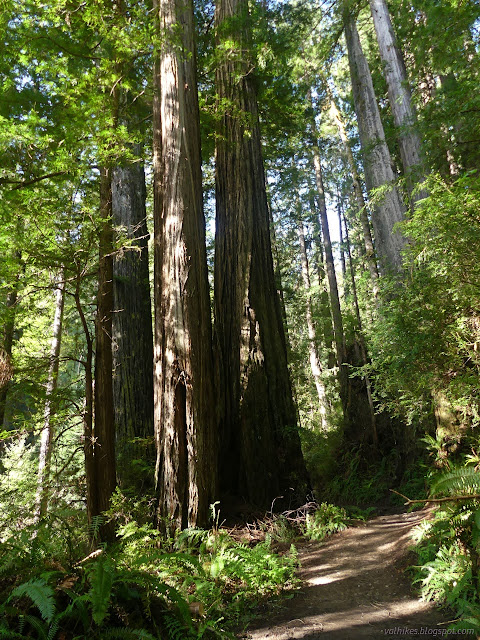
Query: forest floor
{"points": [[354, 586]]}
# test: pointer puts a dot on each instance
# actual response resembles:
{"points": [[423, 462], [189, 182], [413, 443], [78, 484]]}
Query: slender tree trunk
{"points": [[184, 402], [7, 344], [88, 435], [452, 156], [132, 328], [343, 262], [360, 200], [324, 300], [261, 455], [388, 208], [399, 96], [104, 434], [6, 338], [46, 438], [361, 340], [327, 247], [315, 365], [339, 336]]}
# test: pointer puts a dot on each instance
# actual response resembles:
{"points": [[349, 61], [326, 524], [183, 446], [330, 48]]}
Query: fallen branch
{"points": [[473, 496], [94, 554]]}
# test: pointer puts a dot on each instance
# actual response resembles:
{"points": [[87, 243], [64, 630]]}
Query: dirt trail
{"points": [[354, 587]]}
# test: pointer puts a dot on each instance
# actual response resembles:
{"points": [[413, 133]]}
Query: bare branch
{"points": [[473, 496]]}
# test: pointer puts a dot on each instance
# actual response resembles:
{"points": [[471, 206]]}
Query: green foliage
{"points": [[324, 521], [424, 339], [448, 546], [40, 593], [360, 481], [460, 481], [101, 577], [142, 587]]}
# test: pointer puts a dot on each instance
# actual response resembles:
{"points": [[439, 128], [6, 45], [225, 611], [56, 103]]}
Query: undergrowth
{"points": [[199, 584], [448, 548]]}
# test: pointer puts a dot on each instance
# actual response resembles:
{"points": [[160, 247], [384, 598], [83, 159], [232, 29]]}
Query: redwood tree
{"points": [[400, 96], [104, 429], [132, 326], [388, 208], [260, 447], [183, 365]]}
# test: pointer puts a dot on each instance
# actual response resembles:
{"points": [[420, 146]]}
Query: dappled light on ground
{"points": [[355, 587]]}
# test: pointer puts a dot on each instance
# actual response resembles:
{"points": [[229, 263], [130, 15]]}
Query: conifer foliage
{"points": [[239, 262]]}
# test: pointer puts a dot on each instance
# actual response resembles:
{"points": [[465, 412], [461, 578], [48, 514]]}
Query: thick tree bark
{"points": [[315, 365], [46, 438], [260, 450], [399, 96], [362, 212], [185, 425], [388, 209], [132, 328], [104, 430]]}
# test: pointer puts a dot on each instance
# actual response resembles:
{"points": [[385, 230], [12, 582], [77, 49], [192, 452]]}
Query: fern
{"points": [[77, 610], [178, 600], [462, 481], [101, 577], [191, 538], [11, 635], [94, 526], [37, 624], [175, 629], [126, 634], [40, 593]]}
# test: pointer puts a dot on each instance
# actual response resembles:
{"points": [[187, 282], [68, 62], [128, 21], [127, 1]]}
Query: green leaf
{"points": [[101, 578], [40, 593]]}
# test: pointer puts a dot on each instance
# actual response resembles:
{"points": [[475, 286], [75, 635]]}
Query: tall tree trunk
{"points": [[6, 347], [315, 365], [104, 430], [362, 212], [88, 436], [6, 337], [341, 247], [324, 300], [327, 248], [132, 328], [261, 455], [399, 96], [361, 339], [339, 336], [46, 438], [185, 423], [388, 208]]}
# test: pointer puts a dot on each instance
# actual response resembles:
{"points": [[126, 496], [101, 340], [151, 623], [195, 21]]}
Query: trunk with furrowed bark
{"points": [[260, 447], [132, 329], [388, 208], [360, 200], [183, 366], [104, 426], [399, 96]]}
